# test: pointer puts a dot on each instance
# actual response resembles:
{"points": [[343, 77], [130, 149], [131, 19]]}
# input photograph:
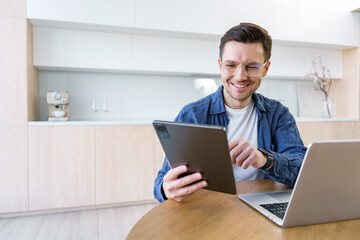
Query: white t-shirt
{"points": [[243, 123]]}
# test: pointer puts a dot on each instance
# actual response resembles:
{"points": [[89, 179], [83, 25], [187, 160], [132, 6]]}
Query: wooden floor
{"points": [[100, 224]]}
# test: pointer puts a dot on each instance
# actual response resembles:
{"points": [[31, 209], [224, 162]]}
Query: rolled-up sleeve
{"points": [[287, 147], [158, 190]]}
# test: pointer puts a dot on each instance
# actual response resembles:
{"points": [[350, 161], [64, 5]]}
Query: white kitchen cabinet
{"points": [[297, 23], [61, 167], [329, 26], [195, 16], [301, 64], [103, 51], [280, 18], [287, 22], [13, 170], [109, 12], [124, 164], [216, 56], [68, 48], [168, 54]]}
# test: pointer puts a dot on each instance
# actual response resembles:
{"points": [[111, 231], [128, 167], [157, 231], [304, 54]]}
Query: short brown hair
{"points": [[248, 33]]}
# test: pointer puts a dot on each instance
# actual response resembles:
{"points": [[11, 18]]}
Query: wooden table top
{"points": [[214, 215]]}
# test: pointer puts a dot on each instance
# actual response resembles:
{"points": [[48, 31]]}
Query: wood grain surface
{"points": [[214, 215]]}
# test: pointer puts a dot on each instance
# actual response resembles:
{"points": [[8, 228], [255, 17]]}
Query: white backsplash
{"points": [[140, 96]]}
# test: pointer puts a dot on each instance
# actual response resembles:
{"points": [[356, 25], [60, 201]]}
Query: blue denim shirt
{"points": [[277, 133]]}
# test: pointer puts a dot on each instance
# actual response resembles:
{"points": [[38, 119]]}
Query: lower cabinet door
{"points": [[61, 166], [124, 163], [13, 170]]}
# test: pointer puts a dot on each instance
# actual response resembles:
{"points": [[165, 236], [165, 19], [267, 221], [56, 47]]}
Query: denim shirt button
{"points": [[279, 171]]}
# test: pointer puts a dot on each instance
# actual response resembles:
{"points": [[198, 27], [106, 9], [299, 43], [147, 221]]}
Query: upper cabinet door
{"points": [[195, 16], [109, 12], [168, 54], [54, 47], [13, 84]]}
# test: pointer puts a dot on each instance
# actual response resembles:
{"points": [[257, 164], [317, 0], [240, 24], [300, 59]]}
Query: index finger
{"points": [[233, 143], [175, 172]]}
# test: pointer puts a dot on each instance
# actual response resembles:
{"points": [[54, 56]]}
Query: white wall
{"points": [[130, 96], [143, 97], [287, 61]]}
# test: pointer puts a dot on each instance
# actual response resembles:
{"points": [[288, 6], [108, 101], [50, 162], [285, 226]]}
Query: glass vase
{"points": [[327, 108]]}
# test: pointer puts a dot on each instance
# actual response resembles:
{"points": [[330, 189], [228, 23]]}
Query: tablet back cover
{"points": [[203, 148]]}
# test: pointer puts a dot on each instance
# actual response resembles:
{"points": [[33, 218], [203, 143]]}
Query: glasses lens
{"points": [[230, 69], [252, 69]]}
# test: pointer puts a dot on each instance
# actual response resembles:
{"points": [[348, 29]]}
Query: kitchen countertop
{"points": [[92, 123], [149, 121]]}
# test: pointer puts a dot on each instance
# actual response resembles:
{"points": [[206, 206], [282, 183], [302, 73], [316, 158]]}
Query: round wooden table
{"points": [[214, 215]]}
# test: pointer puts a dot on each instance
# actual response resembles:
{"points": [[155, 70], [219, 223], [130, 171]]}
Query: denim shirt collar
{"points": [[259, 102], [217, 102]]}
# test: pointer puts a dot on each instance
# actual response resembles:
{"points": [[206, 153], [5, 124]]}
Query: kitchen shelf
{"points": [[124, 71], [167, 73], [300, 119]]}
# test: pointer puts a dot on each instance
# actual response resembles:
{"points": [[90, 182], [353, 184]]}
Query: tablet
{"points": [[203, 148]]}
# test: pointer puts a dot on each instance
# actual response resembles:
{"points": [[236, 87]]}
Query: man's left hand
{"points": [[244, 154]]}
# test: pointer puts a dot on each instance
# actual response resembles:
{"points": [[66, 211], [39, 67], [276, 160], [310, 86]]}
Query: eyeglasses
{"points": [[251, 69]]}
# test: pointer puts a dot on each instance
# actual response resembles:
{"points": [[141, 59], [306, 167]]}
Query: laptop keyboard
{"points": [[278, 209]]}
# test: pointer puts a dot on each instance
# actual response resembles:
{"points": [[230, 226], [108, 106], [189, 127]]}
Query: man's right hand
{"points": [[179, 188]]}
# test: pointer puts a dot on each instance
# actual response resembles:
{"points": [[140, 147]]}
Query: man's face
{"points": [[239, 88]]}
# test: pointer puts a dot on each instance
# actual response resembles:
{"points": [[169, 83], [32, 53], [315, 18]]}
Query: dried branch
{"points": [[323, 81]]}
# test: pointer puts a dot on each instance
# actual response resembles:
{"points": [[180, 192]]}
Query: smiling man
{"points": [[264, 141]]}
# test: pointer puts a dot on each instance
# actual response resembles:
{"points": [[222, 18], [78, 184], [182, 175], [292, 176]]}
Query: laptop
{"points": [[326, 190], [203, 148]]}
